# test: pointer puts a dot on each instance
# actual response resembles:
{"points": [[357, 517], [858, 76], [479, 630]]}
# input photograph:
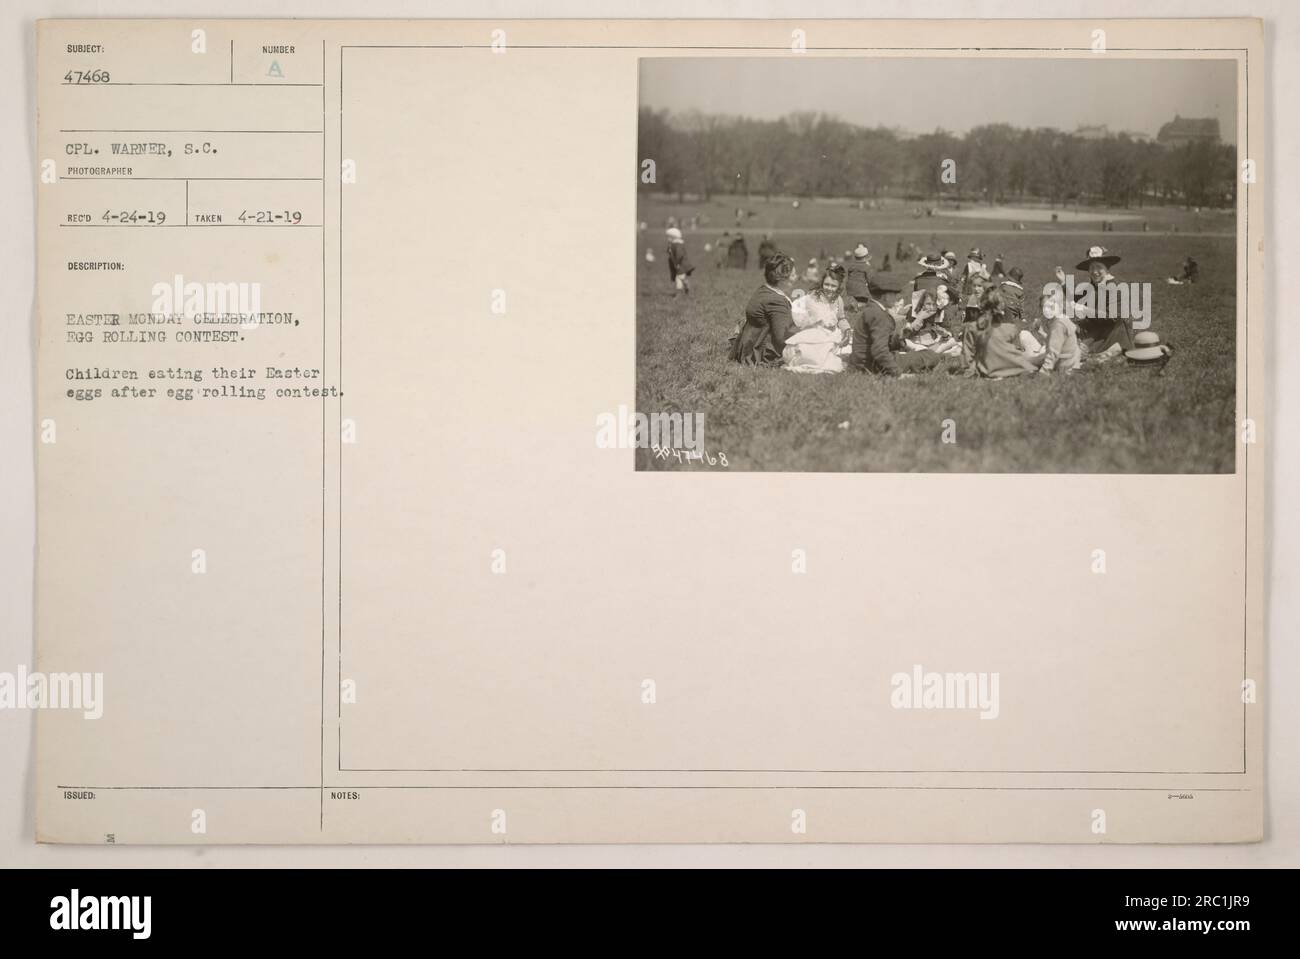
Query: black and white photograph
{"points": [[956, 264]]}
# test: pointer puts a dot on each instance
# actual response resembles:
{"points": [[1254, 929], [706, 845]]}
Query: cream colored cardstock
{"points": [[406, 597]]}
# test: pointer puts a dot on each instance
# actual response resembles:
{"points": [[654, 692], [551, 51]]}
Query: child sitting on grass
{"points": [[920, 327], [1063, 353], [996, 341]]}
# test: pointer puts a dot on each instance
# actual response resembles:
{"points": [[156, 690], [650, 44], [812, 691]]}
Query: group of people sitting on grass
{"points": [[966, 316]]}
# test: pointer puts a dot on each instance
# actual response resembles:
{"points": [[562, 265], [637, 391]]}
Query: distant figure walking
{"points": [[738, 253], [857, 279], [679, 264]]}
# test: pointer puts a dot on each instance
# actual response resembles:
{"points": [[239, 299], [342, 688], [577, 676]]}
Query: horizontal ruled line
{"points": [[781, 48], [172, 83], [198, 226], [235, 179], [316, 132], [359, 786], [832, 772]]}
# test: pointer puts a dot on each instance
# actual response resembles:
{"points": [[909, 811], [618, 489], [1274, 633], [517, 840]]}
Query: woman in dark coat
{"points": [[760, 338], [1103, 336]]}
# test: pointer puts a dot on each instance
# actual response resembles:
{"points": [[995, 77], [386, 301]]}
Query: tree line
{"points": [[814, 154]]}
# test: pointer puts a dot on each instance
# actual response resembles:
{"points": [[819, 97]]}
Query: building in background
{"points": [[1182, 130]]}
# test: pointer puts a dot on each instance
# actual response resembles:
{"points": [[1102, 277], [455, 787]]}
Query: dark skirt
{"points": [[1101, 333]]}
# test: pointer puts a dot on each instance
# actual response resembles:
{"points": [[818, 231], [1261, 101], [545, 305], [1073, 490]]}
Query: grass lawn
{"points": [[1115, 418]]}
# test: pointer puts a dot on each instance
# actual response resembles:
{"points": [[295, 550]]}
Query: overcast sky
{"points": [[921, 95]]}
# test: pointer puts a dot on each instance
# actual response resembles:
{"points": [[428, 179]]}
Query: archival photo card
{"points": [[366, 348]]}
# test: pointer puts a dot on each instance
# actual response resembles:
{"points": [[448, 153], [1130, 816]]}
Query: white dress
{"points": [[820, 339]]}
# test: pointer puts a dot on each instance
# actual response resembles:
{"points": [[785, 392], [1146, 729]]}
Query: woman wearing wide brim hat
{"points": [[1097, 254], [1104, 337], [933, 276]]}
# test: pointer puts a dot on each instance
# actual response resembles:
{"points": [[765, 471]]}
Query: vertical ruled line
{"points": [[323, 408], [339, 493]]}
